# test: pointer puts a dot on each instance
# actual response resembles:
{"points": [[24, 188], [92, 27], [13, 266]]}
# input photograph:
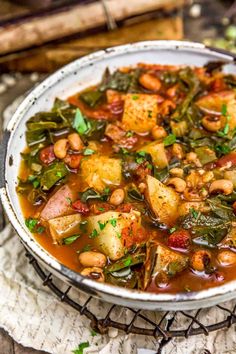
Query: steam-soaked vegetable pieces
{"points": [[132, 182]]}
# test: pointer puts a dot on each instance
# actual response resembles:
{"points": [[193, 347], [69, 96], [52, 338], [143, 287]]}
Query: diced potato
{"points": [[157, 151], [106, 229], [58, 204], [163, 200], [213, 103], [140, 112], [64, 227], [231, 176], [100, 171], [169, 261], [184, 207]]}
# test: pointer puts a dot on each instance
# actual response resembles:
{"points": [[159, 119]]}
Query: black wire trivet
{"points": [[164, 330]]}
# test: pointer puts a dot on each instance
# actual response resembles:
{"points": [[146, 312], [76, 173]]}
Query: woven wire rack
{"points": [[163, 330]]}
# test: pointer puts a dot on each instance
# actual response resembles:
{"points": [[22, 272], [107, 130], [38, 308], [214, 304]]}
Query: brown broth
{"points": [[187, 280]]}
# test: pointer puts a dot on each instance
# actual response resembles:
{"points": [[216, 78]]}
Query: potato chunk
{"points": [[64, 227], [157, 152], [213, 103], [169, 261], [99, 171], [140, 112], [163, 200], [105, 229], [58, 204]]}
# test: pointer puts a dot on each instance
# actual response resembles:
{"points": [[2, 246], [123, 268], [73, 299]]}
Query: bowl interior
{"points": [[79, 75]]}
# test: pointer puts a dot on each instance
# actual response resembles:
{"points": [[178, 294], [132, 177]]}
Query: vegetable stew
{"points": [[133, 181]]}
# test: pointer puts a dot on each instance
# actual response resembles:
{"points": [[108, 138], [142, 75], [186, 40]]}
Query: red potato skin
{"points": [[58, 204], [227, 160], [46, 155]]}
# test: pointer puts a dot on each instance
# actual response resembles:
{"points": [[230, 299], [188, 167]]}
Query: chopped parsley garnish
{"points": [[173, 229], [194, 213], [93, 234], [36, 183], [69, 240], [88, 152], [93, 333], [124, 151], [40, 229], [129, 134], [225, 131], [169, 140], [135, 97], [79, 123], [113, 222], [33, 226], [85, 248], [128, 261], [224, 110], [102, 225], [149, 114], [80, 348], [69, 201], [101, 209], [118, 234]]}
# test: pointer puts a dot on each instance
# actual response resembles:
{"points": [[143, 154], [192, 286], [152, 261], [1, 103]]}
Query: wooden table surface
{"points": [[196, 30]]}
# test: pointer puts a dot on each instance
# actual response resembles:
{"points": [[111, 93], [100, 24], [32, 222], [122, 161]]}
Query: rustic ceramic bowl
{"points": [[72, 78]]}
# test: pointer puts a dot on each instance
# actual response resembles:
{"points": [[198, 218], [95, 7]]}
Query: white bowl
{"points": [[72, 78]]}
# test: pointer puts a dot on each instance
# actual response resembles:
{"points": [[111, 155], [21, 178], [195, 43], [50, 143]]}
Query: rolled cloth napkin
{"points": [[34, 317]]}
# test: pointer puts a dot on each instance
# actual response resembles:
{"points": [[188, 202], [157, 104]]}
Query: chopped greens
{"points": [[69, 240]]}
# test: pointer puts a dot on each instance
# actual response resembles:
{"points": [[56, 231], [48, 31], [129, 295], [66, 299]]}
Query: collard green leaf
{"points": [[80, 124], [127, 261], [52, 174], [117, 81], [91, 98]]}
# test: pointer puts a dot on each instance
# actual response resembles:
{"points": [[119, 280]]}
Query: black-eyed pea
{"points": [[226, 258], [224, 186], [178, 183], [92, 259], [117, 197], [94, 273], [75, 142], [200, 260], [158, 132], [60, 148], [150, 82], [212, 123], [177, 172]]}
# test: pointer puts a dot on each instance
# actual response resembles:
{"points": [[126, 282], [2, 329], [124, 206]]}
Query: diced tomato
{"points": [[228, 160], [46, 155], [125, 208], [80, 207], [179, 239], [218, 84], [142, 171], [73, 160], [133, 234]]}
